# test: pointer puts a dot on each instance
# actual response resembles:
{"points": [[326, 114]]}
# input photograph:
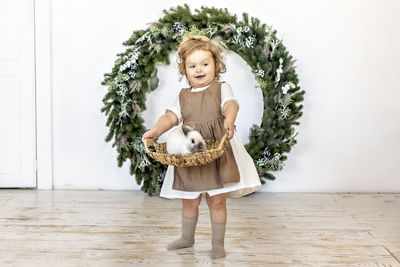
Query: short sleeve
{"points": [[176, 109], [227, 95]]}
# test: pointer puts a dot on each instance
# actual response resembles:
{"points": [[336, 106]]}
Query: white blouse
{"points": [[226, 95]]}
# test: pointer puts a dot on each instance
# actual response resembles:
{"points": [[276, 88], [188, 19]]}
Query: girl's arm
{"points": [[230, 109], [164, 123]]}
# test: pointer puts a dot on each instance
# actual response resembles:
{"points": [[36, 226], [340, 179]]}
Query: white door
{"points": [[17, 94]]}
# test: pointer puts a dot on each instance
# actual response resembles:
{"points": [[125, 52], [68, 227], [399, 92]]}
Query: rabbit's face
{"points": [[195, 142]]}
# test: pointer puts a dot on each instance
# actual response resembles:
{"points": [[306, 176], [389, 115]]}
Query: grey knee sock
{"points": [[187, 238], [218, 236]]}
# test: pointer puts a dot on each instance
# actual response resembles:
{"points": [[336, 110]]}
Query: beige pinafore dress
{"points": [[202, 110]]}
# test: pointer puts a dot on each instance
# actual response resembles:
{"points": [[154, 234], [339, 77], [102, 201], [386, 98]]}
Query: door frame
{"points": [[43, 92]]}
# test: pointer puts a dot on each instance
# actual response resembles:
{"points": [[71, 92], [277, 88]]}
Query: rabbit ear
{"points": [[186, 129]]}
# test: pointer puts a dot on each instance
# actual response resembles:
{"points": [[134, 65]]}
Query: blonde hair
{"points": [[198, 42]]}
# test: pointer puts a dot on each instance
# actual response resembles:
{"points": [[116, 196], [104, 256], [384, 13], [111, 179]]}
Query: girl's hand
{"points": [[229, 128], [150, 134]]}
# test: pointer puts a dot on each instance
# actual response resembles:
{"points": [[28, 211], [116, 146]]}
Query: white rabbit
{"points": [[185, 140]]}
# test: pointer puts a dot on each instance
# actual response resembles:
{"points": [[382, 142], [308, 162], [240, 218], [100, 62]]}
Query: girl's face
{"points": [[200, 68]]}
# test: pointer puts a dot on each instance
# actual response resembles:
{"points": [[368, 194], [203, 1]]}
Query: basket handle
{"points": [[146, 144], [221, 144]]}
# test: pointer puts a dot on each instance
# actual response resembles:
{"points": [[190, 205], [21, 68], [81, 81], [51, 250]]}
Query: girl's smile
{"points": [[200, 76], [200, 68]]}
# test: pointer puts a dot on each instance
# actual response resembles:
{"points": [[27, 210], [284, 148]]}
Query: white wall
{"points": [[347, 60]]}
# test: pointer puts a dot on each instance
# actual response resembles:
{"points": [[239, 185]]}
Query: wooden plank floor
{"points": [[128, 228]]}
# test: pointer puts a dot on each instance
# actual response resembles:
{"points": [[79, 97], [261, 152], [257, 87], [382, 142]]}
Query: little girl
{"points": [[211, 108]]}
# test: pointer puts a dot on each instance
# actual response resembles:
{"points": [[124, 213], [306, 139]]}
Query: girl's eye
{"points": [[205, 64], [192, 67]]}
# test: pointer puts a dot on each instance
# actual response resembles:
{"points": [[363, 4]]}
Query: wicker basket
{"points": [[214, 150]]}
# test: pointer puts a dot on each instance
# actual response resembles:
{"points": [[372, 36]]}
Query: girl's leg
{"points": [[190, 207], [190, 213], [218, 214], [217, 207]]}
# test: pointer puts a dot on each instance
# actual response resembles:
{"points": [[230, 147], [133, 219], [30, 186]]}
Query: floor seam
{"points": [[394, 256]]}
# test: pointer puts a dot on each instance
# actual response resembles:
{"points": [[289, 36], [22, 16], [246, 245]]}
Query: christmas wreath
{"points": [[135, 74]]}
